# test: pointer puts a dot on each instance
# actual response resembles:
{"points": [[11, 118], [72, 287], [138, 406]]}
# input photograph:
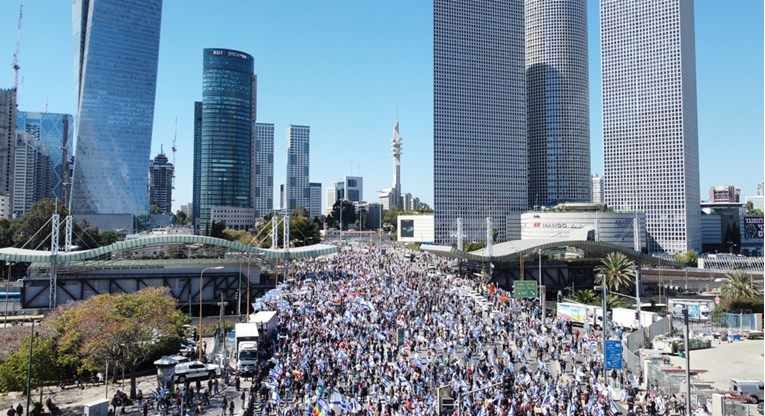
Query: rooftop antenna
{"points": [[173, 148], [15, 65]]}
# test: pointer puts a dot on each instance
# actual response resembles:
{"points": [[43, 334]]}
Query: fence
{"points": [[637, 339], [631, 361], [738, 321]]}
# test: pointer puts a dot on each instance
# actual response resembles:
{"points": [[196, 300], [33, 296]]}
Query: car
{"points": [[195, 370]]}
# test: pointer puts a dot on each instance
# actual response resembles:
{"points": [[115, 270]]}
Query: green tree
{"points": [[300, 212], [33, 231], [6, 233], [348, 213], [109, 237], [689, 258], [473, 246], [739, 286], [586, 296], [618, 270], [390, 219], [303, 232], [181, 218], [123, 329], [13, 370], [216, 229]]}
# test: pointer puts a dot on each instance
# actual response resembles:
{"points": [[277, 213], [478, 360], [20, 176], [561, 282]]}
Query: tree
{"points": [[739, 286], [216, 229], [618, 270], [303, 232], [299, 212], [109, 237], [390, 219], [13, 370], [33, 231], [153, 209], [586, 296], [123, 329], [348, 213], [181, 218], [6, 233], [689, 258]]}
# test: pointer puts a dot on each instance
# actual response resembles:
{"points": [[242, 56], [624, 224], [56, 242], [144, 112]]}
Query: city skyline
{"points": [[392, 44]]}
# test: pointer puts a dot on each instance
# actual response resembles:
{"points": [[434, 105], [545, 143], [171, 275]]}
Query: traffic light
{"points": [[507, 385]]}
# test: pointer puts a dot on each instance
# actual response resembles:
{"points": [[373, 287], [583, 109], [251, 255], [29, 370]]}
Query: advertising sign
{"points": [[407, 228], [525, 288], [754, 228], [613, 354]]}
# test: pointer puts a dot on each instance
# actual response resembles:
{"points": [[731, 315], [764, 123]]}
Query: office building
{"points": [[283, 197], [54, 131], [197, 165], [331, 198], [263, 179], [374, 215], [479, 115], [297, 192], [558, 102], [314, 209], [32, 173], [161, 173], [236, 218], [597, 189], [7, 143], [724, 193], [354, 188], [225, 135], [116, 46], [650, 133]]}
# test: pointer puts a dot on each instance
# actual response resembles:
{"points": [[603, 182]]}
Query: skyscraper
{"points": [[225, 135], [315, 200], [298, 193], [55, 131], [32, 173], [558, 101], [650, 133], [116, 45], [597, 189], [161, 184], [7, 143], [263, 179], [479, 111]]}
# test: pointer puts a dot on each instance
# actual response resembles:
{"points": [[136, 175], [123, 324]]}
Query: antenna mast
{"points": [[173, 148], [15, 65]]}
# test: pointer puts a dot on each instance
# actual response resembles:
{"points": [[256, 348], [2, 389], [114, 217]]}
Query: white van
{"points": [[749, 388]]}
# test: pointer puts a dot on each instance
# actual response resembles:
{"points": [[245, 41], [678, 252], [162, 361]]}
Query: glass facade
{"points": [[55, 132], [479, 116], [650, 133], [558, 101], [225, 146], [116, 47]]}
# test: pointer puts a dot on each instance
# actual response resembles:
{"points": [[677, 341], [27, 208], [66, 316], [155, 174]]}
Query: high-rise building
{"points": [[724, 193], [55, 132], [263, 179], [197, 173], [331, 198], [314, 209], [7, 143], [116, 46], [354, 188], [161, 184], [558, 102], [479, 116], [32, 173], [298, 193], [597, 189], [225, 138], [650, 133]]}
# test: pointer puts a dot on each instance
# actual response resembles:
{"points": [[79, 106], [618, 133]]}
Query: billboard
{"points": [[407, 228], [754, 228]]}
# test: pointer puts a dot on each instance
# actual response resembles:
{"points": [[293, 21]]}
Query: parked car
{"points": [[753, 389], [195, 370]]}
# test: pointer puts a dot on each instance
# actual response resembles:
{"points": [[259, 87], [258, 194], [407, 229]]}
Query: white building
{"points": [[263, 172], [558, 102], [234, 217], [480, 156], [724, 193], [597, 189], [330, 199], [297, 192], [650, 136], [609, 227]]}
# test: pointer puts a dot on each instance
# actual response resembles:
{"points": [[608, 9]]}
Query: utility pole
{"points": [[687, 363]]}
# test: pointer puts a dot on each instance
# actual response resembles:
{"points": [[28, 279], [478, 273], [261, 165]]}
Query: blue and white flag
{"points": [[613, 409]]}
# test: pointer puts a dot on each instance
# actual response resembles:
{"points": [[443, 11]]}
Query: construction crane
{"points": [[15, 64], [173, 148]]}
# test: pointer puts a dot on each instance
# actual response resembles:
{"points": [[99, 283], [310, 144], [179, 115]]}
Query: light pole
{"points": [[199, 328], [539, 251], [687, 363], [29, 367], [603, 290], [7, 282]]}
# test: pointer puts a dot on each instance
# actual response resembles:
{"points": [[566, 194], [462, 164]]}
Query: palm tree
{"points": [[618, 270], [739, 285], [587, 297]]}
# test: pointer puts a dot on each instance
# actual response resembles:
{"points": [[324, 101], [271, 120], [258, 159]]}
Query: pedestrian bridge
{"points": [[19, 255]]}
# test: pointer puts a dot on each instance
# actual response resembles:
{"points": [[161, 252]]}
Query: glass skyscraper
{"points": [[55, 132], [479, 112], [116, 47], [225, 133], [298, 192], [558, 101], [650, 133]]}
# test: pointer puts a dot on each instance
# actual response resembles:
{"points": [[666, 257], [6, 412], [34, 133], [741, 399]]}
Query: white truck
{"points": [[260, 329], [627, 318], [581, 314], [698, 309]]}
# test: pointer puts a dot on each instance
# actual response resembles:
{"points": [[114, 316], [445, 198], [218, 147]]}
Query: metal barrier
{"points": [[660, 327], [631, 361], [738, 321]]}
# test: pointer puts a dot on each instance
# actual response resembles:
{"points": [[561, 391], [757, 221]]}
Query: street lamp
{"points": [[199, 328], [603, 290], [539, 251]]}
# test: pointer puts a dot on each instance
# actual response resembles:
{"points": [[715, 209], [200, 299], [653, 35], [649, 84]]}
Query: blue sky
{"points": [[344, 67]]}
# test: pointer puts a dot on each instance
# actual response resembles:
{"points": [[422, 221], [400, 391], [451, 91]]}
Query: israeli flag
{"points": [[613, 409]]}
